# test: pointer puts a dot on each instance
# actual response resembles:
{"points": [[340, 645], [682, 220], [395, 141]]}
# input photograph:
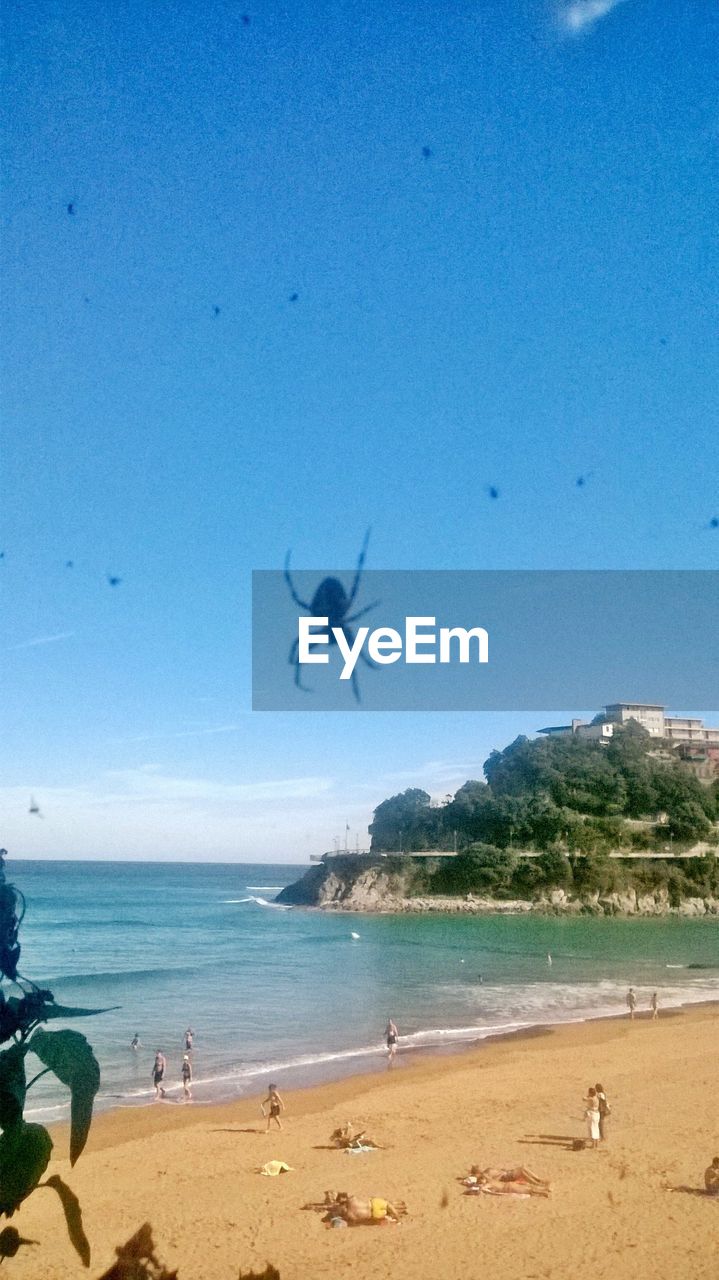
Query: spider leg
{"points": [[294, 660], [369, 661], [360, 566], [288, 580], [353, 617]]}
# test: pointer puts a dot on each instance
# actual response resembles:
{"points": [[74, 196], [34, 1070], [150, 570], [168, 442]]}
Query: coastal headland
{"points": [[191, 1171], [385, 884]]}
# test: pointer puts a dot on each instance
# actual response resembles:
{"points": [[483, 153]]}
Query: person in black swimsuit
{"points": [[158, 1073], [275, 1104]]}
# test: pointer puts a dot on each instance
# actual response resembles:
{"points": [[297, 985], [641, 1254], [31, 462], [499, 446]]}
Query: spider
{"points": [[331, 601]]}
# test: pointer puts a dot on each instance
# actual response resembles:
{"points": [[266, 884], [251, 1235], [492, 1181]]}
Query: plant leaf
{"points": [[69, 1055], [66, 1011], [73, 1217], [24, 1154], [12, 1085]]}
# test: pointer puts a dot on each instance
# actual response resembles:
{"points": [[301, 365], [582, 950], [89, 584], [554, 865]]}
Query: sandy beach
{"points": [[191, 1170]]}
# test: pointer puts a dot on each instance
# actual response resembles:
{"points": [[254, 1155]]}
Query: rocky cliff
{"points": [[392, 885]]}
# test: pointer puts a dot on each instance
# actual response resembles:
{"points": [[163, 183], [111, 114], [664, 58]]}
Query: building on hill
{"points": [[651, 716], [684, 736]]}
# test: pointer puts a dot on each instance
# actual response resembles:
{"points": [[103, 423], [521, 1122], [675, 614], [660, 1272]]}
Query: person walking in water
{"points": [[391, 1036], [135, 1042], [275, 1104], [186, 1078], [654, 1005], [158, 1073], [631, 1002], [189, 1036]]}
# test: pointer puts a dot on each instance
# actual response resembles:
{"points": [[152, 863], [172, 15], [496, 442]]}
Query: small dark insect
{"points": [[331, 601], [114, 582], [493, 491], [71, 208], [86, 299], [215, 311], [245, 19], [582, 480], [714, 522], [294, 297], [69, 564], [663, 341], [426, 152], [2, 555]]}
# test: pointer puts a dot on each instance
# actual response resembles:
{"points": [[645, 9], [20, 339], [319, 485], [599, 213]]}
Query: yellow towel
{"points": [[274, 1168]]}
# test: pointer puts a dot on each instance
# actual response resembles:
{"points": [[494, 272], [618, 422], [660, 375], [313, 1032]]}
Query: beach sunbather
{"points": [[358, 1212], [517, 1181], [347, 1138]]}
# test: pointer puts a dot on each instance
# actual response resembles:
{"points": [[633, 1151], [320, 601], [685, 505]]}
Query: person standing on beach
{"points": [[186, 1078], [275, 1104], [604, 1110], [711, 1178], [631, 1002], [591, 1103], [189, 1035], [391, 1036], [654, 1005], [158, 1073]]}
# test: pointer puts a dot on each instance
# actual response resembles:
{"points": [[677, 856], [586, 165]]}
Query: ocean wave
{"points": [[260, 902], [111, 975]]}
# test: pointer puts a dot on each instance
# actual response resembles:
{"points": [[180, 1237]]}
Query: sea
{"points": [[300, 997]]}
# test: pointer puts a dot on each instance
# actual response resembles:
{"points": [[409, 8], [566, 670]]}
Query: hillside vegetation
{"points": [[571, 802]]}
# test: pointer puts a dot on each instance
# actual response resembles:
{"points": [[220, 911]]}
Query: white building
{"points": [[650, 715]]}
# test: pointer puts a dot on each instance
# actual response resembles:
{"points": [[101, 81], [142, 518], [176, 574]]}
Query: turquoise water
{"points": [[289, 994]]}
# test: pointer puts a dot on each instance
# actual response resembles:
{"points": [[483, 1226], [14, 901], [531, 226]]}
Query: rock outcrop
{"points": [[389, 885]]}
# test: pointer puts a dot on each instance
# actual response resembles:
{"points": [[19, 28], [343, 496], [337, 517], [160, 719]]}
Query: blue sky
{"points": [[532, 302]]}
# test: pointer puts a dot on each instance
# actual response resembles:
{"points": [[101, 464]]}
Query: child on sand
{"points": [[275, 1104]]}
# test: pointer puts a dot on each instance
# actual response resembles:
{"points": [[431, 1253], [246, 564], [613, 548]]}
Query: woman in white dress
{"points": [[591, 1112]]}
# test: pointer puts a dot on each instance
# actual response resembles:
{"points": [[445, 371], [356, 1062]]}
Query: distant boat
{"points": [[34, 807], [354, 935]]}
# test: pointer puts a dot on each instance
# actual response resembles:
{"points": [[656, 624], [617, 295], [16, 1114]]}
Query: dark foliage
{"points": [[25, 1148]]}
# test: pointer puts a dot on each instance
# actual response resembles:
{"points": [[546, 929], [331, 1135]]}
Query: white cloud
{"points": [[580, 14], [37, 640]]}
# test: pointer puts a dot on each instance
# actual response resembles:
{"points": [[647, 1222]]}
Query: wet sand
{"points": [[190, 1170]]}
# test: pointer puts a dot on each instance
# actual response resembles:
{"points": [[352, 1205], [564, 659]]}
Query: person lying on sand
{"points": [[348, 1138], [518, 1181], [358, 1212]]}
